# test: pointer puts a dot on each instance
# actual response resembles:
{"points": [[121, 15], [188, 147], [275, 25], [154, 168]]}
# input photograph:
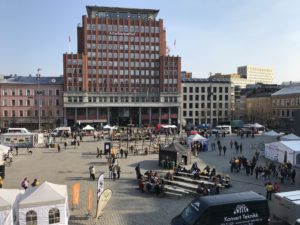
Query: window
{"points": [[21, 92], [5, 92], [13, 102], [28, 113], [13, 92], [57, 102], [21, 113], [57, 92], [28, 92], [184, 89], [31, 218]]}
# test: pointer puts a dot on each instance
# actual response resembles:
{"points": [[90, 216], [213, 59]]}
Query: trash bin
{"points": [[2, 171]]}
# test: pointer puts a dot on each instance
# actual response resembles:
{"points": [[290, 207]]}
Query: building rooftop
{"points": [[204, 80], [288, 91], [14, 79], [91, 10]]}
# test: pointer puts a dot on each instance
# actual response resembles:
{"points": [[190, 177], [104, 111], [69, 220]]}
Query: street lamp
{"points": [[38, 77]]}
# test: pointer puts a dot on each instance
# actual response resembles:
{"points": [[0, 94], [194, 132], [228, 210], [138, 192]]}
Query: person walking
{"points": [[114, 172], [58, 148], [110, 174], [231, 144], [293, 175], [98, 152], [1, 182], [118, 168], [35, 183], [241, 148], [220, 150], [224, 149], [269, 188], [25, 183], [66, 144], [121, 152], [93, 172], [126, 153], [17, 150]]}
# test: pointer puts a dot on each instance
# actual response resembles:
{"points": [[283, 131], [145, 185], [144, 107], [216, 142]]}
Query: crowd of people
{"points": [[150, 181]]}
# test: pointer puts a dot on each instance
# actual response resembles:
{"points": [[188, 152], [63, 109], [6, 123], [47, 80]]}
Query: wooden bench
{"points": [[210, 184], [192, 175]]}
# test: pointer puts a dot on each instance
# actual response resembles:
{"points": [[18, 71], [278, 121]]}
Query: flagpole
{"points": [[69, 45]]}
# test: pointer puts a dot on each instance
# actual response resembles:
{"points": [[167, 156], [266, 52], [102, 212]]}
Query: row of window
{"points": [[116, 89], [119, 99], [121, 38], [204, 89], [121, 55], [283, 113], [94, 63], [214, 113], [205, 97], [28, 92], [29, 113], [53, 217], [286, 102], [122, 28], [20, 102], [196, 105], [124, 81]]}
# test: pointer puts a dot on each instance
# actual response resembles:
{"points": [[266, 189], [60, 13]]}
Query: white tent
{"points": [[290, 137], [271, 133], [43, 201], [3, 150], [281, 150], [168, 126], [88, 127], [107, 127], [8, 200], [193, 138]]}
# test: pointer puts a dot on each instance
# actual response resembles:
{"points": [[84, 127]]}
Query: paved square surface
{"points": [[128, 206]]}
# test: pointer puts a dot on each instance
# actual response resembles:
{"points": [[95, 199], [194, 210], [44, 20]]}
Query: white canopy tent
{"points": [[194, 138], [281, 150], [88, 127], [43, 201], [271, 133], [290, 137], [169, 126], [3, 151], [8, 201]]}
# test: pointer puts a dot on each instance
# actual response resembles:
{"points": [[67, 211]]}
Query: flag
{"points": [[168, 50], [69, 38], [174, 42]]}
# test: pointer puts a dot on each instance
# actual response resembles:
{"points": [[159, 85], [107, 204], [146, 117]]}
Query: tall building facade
{"points": [[28, 101], [206, 101], [121, 73], [256, 74]]}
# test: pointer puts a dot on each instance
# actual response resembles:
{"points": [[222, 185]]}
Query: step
{"points": [[189, 180], [173, 194], [176, 189], [188, 186]]}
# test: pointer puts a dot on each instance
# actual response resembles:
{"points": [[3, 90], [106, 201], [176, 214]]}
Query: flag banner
{"points": [[69, 38], [75, 194], [103, 200], [90, 200], [100, 187], [174, 42]]}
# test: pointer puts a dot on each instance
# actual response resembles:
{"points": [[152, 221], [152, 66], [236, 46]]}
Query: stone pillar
{"points": [[169, 115], [65, 117], [108, 115], [86, 113], [159, 115], [75, 116], [140, 116], [150, 112], [97, 112]]}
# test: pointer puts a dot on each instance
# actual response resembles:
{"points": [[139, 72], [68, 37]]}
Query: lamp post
{"points": [[210, 94], [38, 77]]}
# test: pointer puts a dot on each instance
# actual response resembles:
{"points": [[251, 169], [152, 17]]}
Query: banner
{"points": [[75, 194], [90, 201], [104, 198]]}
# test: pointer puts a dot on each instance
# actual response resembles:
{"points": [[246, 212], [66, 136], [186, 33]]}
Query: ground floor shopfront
{"points": [[122, 116]]}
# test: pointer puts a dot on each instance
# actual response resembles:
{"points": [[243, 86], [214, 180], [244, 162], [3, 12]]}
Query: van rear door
{"points": [[254, 213]]}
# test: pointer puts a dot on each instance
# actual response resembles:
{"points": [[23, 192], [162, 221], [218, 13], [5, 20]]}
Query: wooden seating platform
{"points": [[189, 180], [192, 175]]}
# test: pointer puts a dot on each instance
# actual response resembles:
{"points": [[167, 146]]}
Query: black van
{"points": [[227, 209]]}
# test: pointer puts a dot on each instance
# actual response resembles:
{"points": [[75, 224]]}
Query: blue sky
{"points": [[211, 36]]}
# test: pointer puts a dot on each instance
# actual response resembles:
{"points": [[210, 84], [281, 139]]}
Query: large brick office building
{"points": [[121, 73]]}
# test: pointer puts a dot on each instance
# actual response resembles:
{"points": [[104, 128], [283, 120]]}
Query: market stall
{"points": [[197, 138], [290, 137], [88, 130], [283, 151]]}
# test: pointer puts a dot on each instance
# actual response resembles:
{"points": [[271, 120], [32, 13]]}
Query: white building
{"points": [[199, 108], [256, 74]]}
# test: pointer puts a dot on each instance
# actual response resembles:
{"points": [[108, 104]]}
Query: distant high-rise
{"points": [[121, 73], [256, 74]]}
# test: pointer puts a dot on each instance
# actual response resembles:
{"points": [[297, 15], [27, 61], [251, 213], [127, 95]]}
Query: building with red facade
{"points": [[121, 73], [30, 101]]}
